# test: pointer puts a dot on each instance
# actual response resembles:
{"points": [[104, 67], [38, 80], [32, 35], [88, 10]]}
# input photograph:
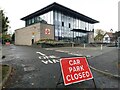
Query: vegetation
{"points": [[46, 43], [4, 37], [5, 69], [5, 21], [100, 35]]}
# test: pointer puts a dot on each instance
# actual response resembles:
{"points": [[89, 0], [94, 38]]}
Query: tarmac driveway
{"points": [[33, 70]]}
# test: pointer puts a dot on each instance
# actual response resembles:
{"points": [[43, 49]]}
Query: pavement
{"points": [[106, 63]]}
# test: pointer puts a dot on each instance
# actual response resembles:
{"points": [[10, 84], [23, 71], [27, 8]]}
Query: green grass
{"points": [[5, 69]]}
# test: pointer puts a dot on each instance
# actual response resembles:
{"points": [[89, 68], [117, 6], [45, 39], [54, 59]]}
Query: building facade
{"points": [[33, 33], [69, 25]]}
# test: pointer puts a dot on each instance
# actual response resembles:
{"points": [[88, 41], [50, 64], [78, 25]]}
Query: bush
{"points": [[52, 43], [46, 41]]}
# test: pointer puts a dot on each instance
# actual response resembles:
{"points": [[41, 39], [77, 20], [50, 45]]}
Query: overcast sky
{"points": [[105, 11]]}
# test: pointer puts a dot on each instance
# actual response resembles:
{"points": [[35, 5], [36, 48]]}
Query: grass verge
{"points": [[5, 69]]}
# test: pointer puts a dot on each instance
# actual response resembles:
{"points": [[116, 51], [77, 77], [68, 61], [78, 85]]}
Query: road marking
{"points": [[66, 51], [40, 53], [57, 61], [52, 56], [54, 60], [48, 49], [29, 68], [88, 56], [76, 54], [32, 83], [48, 59], [45, 62], [59, 50], [29, 77], [62, 51], [23, 65], [40, 57]]}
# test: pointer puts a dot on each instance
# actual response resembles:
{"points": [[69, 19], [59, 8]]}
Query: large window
{"points": [[45, 18], [63, 24], [69, 25]]}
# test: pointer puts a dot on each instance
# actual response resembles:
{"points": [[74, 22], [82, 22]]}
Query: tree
{"points": [[100, 35], [13, 37], [4, 25], [5, 22]]}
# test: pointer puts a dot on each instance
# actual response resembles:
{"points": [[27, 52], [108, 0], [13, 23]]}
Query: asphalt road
{"points": [[34, 70]]}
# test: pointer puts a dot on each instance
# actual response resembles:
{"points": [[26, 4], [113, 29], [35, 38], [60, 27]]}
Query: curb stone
{"points": [[6, 78], [105, 73]]}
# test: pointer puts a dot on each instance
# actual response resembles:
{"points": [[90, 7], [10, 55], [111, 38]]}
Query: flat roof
{"points": [[64, 10]]}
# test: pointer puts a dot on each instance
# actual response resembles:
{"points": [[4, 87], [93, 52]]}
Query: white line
{"points": [[23, 65], [45, 62], [40, 53], [54, 60], [48, 49], [50, 61], [39, 57], [57, 61], [52, 56], [59, 50]]}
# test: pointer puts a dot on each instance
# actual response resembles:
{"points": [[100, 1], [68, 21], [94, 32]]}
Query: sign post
{"points": [[47, 31], [75, 70]]}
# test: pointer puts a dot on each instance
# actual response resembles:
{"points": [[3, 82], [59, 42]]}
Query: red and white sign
{"points": [[47, 31], [75, 70]]}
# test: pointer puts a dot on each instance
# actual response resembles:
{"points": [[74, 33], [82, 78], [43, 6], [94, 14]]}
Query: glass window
{"points": [[82, 25], [55, 15], [87, 26], [65, 21], [63, 24], [71, 22], [106, 38], [69, 25], [48, 17], [77, 24], [59, 16], [32, 20], [51, 17], [29, 22], [56, 32]]}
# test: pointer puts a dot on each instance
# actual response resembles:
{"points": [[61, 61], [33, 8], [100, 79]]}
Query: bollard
{"points": [[72, 44], [101, 46], [84, 45]]}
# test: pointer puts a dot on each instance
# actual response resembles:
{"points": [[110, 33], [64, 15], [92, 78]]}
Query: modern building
{"points": [[66, 24]]}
